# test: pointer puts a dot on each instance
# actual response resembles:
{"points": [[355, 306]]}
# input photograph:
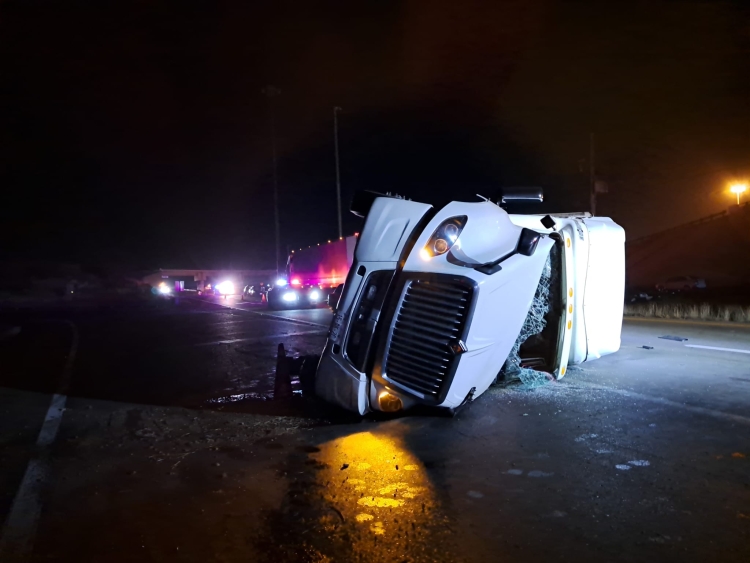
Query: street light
{"points": [[738, 189]]}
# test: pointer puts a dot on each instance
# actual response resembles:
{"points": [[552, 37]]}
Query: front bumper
{"points": [[338, 382]]}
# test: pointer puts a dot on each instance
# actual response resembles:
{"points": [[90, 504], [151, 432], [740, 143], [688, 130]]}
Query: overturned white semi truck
{"points": [[441, 303]]}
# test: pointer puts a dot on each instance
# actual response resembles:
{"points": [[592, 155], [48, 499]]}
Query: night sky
{"points": [[136, 132]]}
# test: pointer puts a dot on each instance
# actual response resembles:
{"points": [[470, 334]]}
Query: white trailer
{"points": [[439, 303]]}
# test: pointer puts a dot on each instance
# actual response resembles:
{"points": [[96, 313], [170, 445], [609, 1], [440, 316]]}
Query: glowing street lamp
{"points": [[738, 189]]}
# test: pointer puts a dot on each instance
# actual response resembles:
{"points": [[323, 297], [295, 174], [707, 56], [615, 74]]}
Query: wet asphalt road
{"points": [[170, 447]]}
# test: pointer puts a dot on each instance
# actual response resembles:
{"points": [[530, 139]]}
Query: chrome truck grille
{"points": [[427, 328]]}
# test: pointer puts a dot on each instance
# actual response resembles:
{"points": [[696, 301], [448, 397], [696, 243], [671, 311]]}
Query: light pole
{"points": [[336, 111], [738, 189], [592, 174], [271, 92]]}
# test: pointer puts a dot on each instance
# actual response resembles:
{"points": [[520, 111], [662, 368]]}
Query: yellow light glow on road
{"points": [[382, 487]]}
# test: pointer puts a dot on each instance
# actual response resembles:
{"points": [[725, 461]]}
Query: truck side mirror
{"points": [[527, 242]]}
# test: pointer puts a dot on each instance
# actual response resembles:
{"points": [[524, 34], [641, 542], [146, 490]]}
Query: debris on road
{"points": [[639, 463], [537, 473]]}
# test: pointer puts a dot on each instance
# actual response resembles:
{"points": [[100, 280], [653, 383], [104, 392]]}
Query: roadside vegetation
{"points": [[689, 311]]}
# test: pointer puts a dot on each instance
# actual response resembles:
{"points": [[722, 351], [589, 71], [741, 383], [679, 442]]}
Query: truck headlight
{"points": [[314, 295], [444, 237], [389, 402], [289, 296]]}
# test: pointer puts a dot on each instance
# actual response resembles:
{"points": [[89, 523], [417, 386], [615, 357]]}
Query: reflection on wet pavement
{"points": [[383, 485], [362, 497]]}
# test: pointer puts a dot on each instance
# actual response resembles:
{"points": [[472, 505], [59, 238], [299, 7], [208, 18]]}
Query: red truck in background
{"points": [[313, 274]]}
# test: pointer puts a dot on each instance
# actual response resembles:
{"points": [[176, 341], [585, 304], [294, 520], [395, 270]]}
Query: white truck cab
{"points": [[439, 303]]}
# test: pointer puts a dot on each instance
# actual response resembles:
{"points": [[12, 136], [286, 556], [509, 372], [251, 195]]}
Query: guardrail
{"points": [[706, 219]]}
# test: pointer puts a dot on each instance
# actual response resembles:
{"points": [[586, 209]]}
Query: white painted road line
{"points": [[729, 417], [20, 526], [289, 319], [17, 538], [225, 323], [717, 348], [52, 421], [259, 338], [263, 314]]}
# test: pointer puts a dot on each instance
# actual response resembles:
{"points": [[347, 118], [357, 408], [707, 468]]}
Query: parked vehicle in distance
{"points": [[682, 283], [295, 295], [224, 288], [639, 296], [255, 292], [311, 274], [208, 289]]}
